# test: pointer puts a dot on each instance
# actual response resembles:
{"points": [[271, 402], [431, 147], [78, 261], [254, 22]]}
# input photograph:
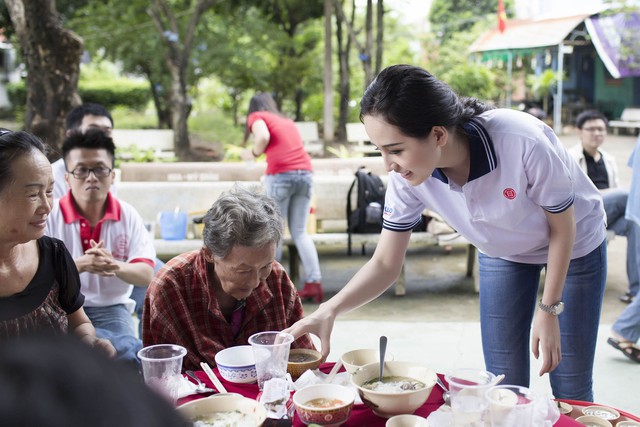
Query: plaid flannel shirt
{"points": [[180, 308]]}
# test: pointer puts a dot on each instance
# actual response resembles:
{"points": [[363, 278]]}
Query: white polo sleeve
{"points": [[402, 209], [549, 169]]}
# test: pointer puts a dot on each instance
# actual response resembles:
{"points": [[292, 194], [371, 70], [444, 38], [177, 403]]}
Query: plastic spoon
{"points": [[446, 396], [383, 350]]}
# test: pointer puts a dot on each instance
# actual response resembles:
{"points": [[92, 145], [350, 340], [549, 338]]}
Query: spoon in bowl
{"points": [[383, 350]]}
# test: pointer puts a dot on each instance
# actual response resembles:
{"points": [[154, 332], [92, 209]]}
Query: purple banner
{"points": [[617, 40]]}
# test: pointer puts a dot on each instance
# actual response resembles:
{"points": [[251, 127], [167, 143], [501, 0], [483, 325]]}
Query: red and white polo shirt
{"points": [[123, 231]]}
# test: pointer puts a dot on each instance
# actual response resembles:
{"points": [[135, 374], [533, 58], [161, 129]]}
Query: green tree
{"points": [[472, 80], [51, 54], [449, 17], [542, 85]]}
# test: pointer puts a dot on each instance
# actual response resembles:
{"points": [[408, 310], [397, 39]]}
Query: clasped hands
{"points": [[98, 260]]}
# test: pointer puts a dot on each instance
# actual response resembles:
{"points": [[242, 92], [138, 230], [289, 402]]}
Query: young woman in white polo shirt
{"points": [[504, 181]]}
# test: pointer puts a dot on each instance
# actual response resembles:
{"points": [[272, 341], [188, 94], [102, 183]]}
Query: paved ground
{"points": [[436, 322]]}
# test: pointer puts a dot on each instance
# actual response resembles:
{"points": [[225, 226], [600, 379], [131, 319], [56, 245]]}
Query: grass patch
{"points": [[215, 126]]}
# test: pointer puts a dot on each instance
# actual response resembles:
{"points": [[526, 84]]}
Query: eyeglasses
{"points": [[100, 172], [595, 129]]}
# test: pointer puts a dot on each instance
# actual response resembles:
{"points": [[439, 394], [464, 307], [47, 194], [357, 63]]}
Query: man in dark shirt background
{"points": [[603, 172]]}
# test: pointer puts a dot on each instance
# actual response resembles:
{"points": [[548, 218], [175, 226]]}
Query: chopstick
{"points": [[333, 371], [216, 382]]}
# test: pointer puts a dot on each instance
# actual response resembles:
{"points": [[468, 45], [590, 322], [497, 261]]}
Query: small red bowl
{"points": [[331, 416]]}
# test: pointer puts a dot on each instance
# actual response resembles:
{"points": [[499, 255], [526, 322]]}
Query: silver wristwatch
{"points": [[554, 309]]}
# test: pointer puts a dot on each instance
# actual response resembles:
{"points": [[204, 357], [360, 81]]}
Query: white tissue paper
{"points": [[318, 377], [275, 397], [185, 387]]}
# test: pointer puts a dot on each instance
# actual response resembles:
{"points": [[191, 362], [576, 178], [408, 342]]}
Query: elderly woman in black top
{"points": [[39, 283]]}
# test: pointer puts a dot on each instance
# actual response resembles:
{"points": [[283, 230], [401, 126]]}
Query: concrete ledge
{"points": [[238, 171]]}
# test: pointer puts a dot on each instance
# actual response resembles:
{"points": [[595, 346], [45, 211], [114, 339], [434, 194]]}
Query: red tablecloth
{"points": [[361, 415]]}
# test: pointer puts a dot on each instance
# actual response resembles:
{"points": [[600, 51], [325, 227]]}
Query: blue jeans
{"points": [[292, 191], [627, 325], [139, 293], [508, 300], [615, 205], [115, 323]]}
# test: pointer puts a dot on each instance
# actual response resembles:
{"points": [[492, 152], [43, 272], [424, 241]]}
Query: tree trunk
{"points": [[368, 45], [379, 35], [344, 70], [328, 126], [159, 101], [51, 55], [176, 59]]}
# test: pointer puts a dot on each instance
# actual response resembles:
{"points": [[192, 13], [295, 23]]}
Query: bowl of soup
{"points": [[324, 404], [354, 359], [405, 386], [229, 409], [301, 360]]}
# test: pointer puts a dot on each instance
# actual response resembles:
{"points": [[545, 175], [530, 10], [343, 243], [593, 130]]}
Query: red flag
{"points": [[502, 17]]}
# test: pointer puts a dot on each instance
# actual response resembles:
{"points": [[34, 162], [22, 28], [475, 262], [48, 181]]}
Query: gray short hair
{"points": [[244, 217]]}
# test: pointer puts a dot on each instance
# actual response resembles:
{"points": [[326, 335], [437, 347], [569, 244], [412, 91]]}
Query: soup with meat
{"points": [[393, 384]]}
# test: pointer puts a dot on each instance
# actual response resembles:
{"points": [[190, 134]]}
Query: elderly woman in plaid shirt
{"points": [[218, 296]]}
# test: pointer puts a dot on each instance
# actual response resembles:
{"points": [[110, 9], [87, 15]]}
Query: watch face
{"points": [[558, 308]]}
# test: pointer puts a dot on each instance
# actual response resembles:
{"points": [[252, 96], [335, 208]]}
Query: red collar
{"points": [[70, 212]]}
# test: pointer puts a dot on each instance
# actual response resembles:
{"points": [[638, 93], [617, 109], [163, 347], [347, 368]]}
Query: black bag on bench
{"points": [[367, 216]]}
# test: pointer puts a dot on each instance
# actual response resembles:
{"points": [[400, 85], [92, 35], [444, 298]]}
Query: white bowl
{"points": [[224, 403], [592, 420], [602, 412], [354, 359], [407, 420], [387, 404], [237, 364], [328, 417]]}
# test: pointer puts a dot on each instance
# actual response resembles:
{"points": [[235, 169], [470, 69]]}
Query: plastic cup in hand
{"points": [[510, 405], [468, 400], [271, 351], [161, 368]]}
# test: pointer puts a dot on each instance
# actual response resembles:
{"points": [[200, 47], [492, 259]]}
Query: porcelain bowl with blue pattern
{"points": [[237, 364]]}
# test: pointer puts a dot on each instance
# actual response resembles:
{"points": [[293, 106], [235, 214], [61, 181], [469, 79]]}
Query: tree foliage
{"points": [[449, 17], [51, 54]]}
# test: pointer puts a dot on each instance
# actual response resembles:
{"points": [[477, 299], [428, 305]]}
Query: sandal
{"points": [[626, 298], [626, 347]]}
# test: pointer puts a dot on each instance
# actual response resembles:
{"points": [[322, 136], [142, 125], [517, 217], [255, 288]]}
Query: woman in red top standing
{"points": [[289, 181]]}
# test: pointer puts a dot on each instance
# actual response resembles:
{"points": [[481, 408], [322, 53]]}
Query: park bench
{"points": [[629, 119], [359, 140], [310, 138], [158, 140], [150, 198]]}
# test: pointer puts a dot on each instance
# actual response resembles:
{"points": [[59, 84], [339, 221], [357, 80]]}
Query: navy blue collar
{"points": [[481, 153]]}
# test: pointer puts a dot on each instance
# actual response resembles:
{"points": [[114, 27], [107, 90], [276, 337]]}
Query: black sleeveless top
{"points": [[53, 293]]}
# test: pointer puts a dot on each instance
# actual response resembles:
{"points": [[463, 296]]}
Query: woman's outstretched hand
{"points": [[320, 324]]}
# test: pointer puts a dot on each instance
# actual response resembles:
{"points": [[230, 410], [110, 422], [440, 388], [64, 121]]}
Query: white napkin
{"points": [[317, 377], [185, 387]]}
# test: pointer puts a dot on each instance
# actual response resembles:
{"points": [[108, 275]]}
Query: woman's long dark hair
{"points": [[414, 101], [260, 102]]}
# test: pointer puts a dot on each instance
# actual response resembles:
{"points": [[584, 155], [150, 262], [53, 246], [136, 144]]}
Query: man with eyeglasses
{"points": [[603, 171], [106, 236], [82, 118]]}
